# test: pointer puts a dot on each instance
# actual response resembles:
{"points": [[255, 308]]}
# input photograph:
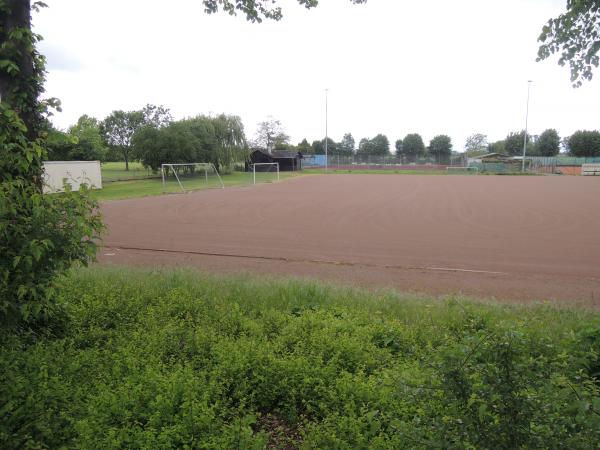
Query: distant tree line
{"points": [[151, 136], [582, 143], [409, 149]]}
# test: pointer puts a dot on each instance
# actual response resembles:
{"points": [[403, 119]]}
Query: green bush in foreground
{"points": [[177, 359]]}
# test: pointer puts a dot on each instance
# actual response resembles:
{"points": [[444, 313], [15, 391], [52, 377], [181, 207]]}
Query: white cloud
{"points": [[392, 67]]}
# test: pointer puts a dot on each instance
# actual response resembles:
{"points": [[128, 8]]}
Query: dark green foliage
{"points": [[83, 142], [219, 140], [548, 143], [399, 147], [40, 235], [256, 10], [575, 35], [497, 147], [440, 148], [175, 359], [304, 147], [118, 129], [513, 144], [377, 146], [413, 146], [346, 145], [585, 143]]}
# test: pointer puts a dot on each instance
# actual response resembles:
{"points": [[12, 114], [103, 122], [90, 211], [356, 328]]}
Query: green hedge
{"points": [[177, 359]]}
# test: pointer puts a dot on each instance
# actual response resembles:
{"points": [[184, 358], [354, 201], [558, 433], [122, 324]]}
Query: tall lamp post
{"points": [[525, 137], [326, 137]]}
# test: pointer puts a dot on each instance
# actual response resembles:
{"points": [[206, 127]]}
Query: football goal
{"points": [[461, 169], [190, 177], [264, 172]]}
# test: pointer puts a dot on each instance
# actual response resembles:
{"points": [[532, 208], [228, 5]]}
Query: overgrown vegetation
{"points": [[40, 235], [177, 359]]}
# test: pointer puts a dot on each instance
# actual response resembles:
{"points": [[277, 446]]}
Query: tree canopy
{"points": [[269, 134], [476, 144], [413, 146], [575, 35], [377, 146], [513, 144], [548, 143], [256, 10], [219, 140], [585, 143], [440, 147], [347, 145]]}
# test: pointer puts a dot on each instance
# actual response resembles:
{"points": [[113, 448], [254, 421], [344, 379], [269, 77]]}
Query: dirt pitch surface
{"points": [[503, 237]]}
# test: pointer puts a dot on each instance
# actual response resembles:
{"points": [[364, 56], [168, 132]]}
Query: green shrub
{"points": [[177, 359]]}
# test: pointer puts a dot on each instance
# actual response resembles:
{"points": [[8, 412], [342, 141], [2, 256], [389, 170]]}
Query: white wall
{"points": [[73, 172]]}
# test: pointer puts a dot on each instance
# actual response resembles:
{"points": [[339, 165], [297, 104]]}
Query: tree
{"points": [[513, 144], [156, 116], [548, 143], [399, 148], [575, 34], [476, 144], [59, 145], [413, 146], [256, 10], [378, 146], [269, 134], [584, 143], [40, 235], [219, 140], [346, 145], [497, 147], [318, 147], [440, 147], [89, 143], [304, 147], [118, 130]]}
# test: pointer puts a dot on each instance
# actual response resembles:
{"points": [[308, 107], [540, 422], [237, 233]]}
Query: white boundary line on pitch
{"points": [[318, 261], [449, 269]]}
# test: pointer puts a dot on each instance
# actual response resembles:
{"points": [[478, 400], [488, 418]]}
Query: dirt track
{"points": [[512, 238]]}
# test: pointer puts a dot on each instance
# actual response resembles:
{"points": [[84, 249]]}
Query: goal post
{"points": [[272, 168], [191, 176]]}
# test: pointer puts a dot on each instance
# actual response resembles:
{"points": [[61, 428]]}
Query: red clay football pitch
{"points": [[504, 237]]}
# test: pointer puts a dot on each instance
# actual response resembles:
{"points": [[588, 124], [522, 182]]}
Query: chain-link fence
{"points": [[371, 162]]}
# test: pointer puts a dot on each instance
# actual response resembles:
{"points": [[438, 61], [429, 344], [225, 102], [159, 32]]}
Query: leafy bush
{"points": [[176, 359]]}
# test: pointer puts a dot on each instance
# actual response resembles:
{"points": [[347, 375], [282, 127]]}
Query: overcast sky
{"points": [[391, 66]]}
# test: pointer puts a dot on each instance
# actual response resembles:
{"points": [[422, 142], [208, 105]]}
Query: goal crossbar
{"points": [[205, 166], [263, 164]]}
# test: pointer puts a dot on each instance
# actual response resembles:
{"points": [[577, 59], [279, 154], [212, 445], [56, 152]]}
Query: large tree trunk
{"points": [[20, 91], [21, 83]]}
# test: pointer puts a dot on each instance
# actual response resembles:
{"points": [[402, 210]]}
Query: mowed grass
{"points": [[115, 171], [153, 186], [178, 359]]}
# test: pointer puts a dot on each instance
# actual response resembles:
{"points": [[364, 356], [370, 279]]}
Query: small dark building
{"points": [[288, 161]]}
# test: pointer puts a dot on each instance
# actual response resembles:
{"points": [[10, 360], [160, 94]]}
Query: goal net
{"points": [[458, 169], [264, 172], [190, 177]]}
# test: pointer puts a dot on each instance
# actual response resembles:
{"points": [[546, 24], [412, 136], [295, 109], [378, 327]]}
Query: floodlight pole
{"points": [[526, 119], [326, 137]]}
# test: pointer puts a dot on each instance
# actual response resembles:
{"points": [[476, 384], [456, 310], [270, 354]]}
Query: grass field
{"points": [[141, 183], [115, 171], [176, 359]]}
